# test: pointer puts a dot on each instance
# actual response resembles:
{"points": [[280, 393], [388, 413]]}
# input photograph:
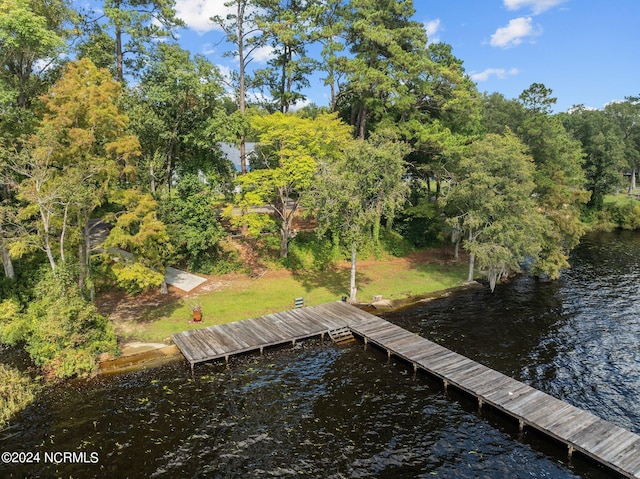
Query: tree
{"points": [[141, 22], [491, 203], [32, 37], [388, 50], [626, 115], [286, 25], [139, 240], [192, 225], [242, 31], [559, 178], [439, 115], [69, 165], [178, 113], [61, 331], [328, 28], [353, 192], [604, 148], [499, 113], [290, 149], [537, 99]]}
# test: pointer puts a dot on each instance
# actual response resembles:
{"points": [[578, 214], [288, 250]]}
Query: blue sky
{"points": [[586, 51]]}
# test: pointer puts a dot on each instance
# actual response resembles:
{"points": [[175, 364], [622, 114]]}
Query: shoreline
{"points": [[139, 355]]}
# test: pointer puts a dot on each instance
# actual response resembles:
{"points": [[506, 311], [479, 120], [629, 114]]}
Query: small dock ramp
{"points": [[342, 335]]}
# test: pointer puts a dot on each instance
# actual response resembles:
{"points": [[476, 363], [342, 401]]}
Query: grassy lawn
{"points": [[621, 198], [247, 298]]}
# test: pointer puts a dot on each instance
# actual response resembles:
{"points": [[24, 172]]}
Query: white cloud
{"points": [[514, 33], [300, 104], [432, 27], [196, 13], [537, 6], [225, 72], [263, 54], [500, 73], [208, 49]]}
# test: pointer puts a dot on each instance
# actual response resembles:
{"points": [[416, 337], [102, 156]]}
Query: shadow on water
{"points": [[318, 410]]}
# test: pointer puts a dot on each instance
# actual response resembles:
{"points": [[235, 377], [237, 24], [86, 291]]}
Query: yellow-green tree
{"points": [[139, 240], [67, 168], [289, 151]]}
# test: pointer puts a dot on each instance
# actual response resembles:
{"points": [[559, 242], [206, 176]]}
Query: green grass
{"points": [[621, 198], [276, 292]]}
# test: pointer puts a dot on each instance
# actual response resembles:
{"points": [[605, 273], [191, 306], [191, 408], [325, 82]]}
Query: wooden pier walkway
{"points": [[225, 340], [581, 431]]}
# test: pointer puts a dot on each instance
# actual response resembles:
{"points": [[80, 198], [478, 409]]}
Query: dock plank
{"points": [[611, 445]]}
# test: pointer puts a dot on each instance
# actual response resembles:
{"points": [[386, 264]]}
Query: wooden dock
{"points": [[225, 340], [581, 431]]}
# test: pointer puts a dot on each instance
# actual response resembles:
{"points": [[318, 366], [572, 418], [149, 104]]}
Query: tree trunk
{"points": [[243, 155], [119, 55], [241, 86], [63, 233], [632, 186], [152, 179], [47, 239], [6, 263], [353, 289], [472, 260], [82, 272], [362, 122], [284, 240], [333, 94]]}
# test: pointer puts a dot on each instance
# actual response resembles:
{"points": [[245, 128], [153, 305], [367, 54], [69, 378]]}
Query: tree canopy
{"points": [[108, 126]]}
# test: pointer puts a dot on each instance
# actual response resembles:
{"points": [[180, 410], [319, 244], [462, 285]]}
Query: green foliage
{"points": [[290, 150], [134, 277], [139, 240], [421, 224], [604, 148], [192, 225], [559, 180], [31, 35], [177, 111], [395, 244], [491, 205], [17, 391], [625, 215], [308, 252], [141, 22], [62, 332]]}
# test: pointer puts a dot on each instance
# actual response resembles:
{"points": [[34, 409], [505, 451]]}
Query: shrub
{"points": [[16, 392], [625, 215], [310, 253], [62, 332]]}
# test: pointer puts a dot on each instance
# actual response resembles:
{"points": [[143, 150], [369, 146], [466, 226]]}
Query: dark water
{"points": [[338, 412]]}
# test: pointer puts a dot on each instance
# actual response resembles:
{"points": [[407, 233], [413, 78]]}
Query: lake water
{"points": [[319, 410]]}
